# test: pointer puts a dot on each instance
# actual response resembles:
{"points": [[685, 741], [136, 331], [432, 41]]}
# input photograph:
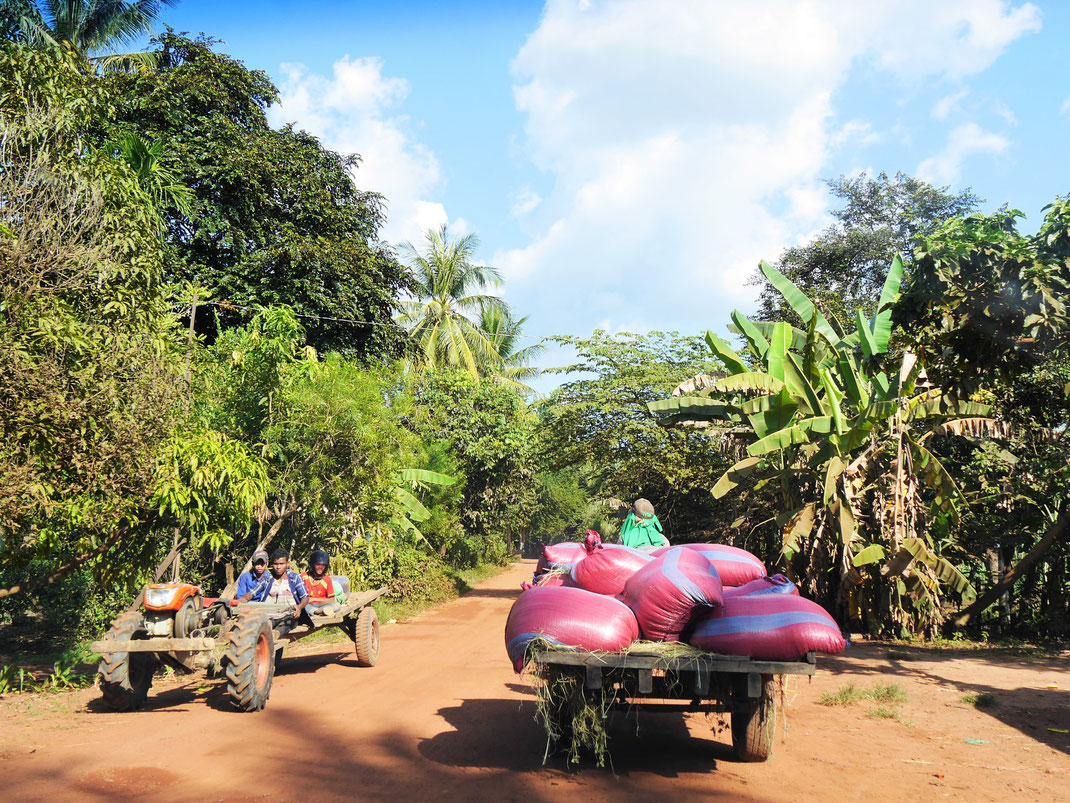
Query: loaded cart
{"points": [[682, 680], [242, 642]]}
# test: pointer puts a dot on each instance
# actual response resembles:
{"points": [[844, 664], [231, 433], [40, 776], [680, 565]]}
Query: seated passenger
{"points": [[251, 579], [641, 528], [319, 584], [282, 586]]}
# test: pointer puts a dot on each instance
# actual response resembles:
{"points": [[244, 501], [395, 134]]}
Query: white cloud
{"points": [[1065, 108], [948, 104], [688, 140], [356, 110], [525, 202], [964, 141]]}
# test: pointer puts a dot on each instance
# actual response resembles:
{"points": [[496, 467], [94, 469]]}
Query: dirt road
{"points": [[443, 717]]}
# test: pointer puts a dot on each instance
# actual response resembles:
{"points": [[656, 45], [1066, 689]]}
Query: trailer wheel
{"points": [[248, 662], [754, 723], [125, 677], [366, 637]]}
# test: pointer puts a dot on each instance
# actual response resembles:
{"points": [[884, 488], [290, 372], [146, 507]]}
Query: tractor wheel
{"points": [[754, 723], [248, 662], [125, 677], [366, 637]]}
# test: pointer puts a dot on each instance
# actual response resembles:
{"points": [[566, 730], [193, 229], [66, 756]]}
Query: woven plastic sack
{"points": [[735, 566], [768, 627], [776, 584], [607, 568], [560, 556], [569, 617], [670, 591]]}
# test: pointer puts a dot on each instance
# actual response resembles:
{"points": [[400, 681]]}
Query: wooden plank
{"points": [[712, 663], [153, 645], [593, 677]]}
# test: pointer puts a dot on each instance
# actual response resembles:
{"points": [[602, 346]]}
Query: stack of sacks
{"points": [[735, 566], [568, 617], [670, 591], [777, 584], [768, 627], [562, 557], [608, 567]]}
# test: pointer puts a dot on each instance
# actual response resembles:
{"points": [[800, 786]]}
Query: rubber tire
{"points": [[125, 677], [248, 663], [754, 722], [366, 637]]}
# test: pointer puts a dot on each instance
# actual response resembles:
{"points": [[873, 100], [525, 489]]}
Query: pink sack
{"points": [[735, 566], [568, 616], [560, 556], [777, 584], [607, 568], [768, 627], [670, 591]]}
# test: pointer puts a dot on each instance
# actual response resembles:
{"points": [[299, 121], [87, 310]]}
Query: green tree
{"points": [[448, 300], [505, 334], [86, 28], [843, 268], [599, 424], [277, 217]]}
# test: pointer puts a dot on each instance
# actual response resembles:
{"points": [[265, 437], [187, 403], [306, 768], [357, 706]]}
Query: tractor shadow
{"points": [[656, 743]]}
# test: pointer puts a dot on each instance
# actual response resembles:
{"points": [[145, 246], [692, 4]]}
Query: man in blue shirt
{"points": [[249, 580], [282, 586]]}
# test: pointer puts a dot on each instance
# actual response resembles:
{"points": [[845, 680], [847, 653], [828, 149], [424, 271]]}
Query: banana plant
{"points": [[844, 439], [413, 511]]}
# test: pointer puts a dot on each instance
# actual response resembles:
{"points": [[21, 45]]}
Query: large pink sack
{"points": [[607, 568], [777, 584], [735, 566], [568, 616], [769, 627], [560, 556], [670, 591]]}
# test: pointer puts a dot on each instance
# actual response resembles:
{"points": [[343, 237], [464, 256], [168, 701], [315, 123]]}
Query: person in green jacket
{"points": [[642, 527]]}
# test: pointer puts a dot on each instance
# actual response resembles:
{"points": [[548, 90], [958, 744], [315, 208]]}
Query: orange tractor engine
{"points": [[172, 609]]}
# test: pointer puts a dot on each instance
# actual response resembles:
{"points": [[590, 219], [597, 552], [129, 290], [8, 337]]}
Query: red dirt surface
{"points": [[443, 716]]}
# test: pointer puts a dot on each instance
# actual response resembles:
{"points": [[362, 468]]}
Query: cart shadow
{"points": [[661, 744]]}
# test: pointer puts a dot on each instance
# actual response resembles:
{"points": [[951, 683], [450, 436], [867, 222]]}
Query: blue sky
{"points": [[627, 163]]}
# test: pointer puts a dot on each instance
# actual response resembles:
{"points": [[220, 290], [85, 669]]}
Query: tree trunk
{"points": [[1054, 533]]}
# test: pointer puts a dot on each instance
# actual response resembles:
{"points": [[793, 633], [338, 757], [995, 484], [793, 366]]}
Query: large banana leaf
{"points": [[725, 353], [753, 332], [690, 408], [779, 345], [944, 570], [865, 337], [932, 471], [799, 433], [414, 508], [735, 475], [749, 380], [874, 553], [800, 525], [882, 321], [925, 406], [798, 300], [424, 475], [833, 397], [834, 469], [975, 428], [801, 388], [853, 382], [770, 413]]}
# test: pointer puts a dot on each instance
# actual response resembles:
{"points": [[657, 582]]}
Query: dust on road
{"points": [[443, 717]]}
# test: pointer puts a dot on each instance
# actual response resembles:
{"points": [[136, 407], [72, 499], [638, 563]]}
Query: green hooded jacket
{"points": [[640, 531]]}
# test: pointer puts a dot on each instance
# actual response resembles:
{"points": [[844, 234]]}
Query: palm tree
{"points": [[86, 28], [441, 316], [505, 332]]}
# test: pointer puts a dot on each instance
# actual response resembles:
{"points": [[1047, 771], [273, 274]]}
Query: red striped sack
{"points": [[768, 627], [670, 591], [777, 584], [560, 556], [735, 566], [607, 568], [570, 617]]}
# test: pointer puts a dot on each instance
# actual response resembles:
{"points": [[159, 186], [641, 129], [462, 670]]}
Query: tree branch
{"points": [[64, 570]]}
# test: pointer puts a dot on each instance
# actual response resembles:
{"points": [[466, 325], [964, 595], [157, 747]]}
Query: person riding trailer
{"points": [[641, 527], [282, 586], [251, 579], [319, 584]]}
